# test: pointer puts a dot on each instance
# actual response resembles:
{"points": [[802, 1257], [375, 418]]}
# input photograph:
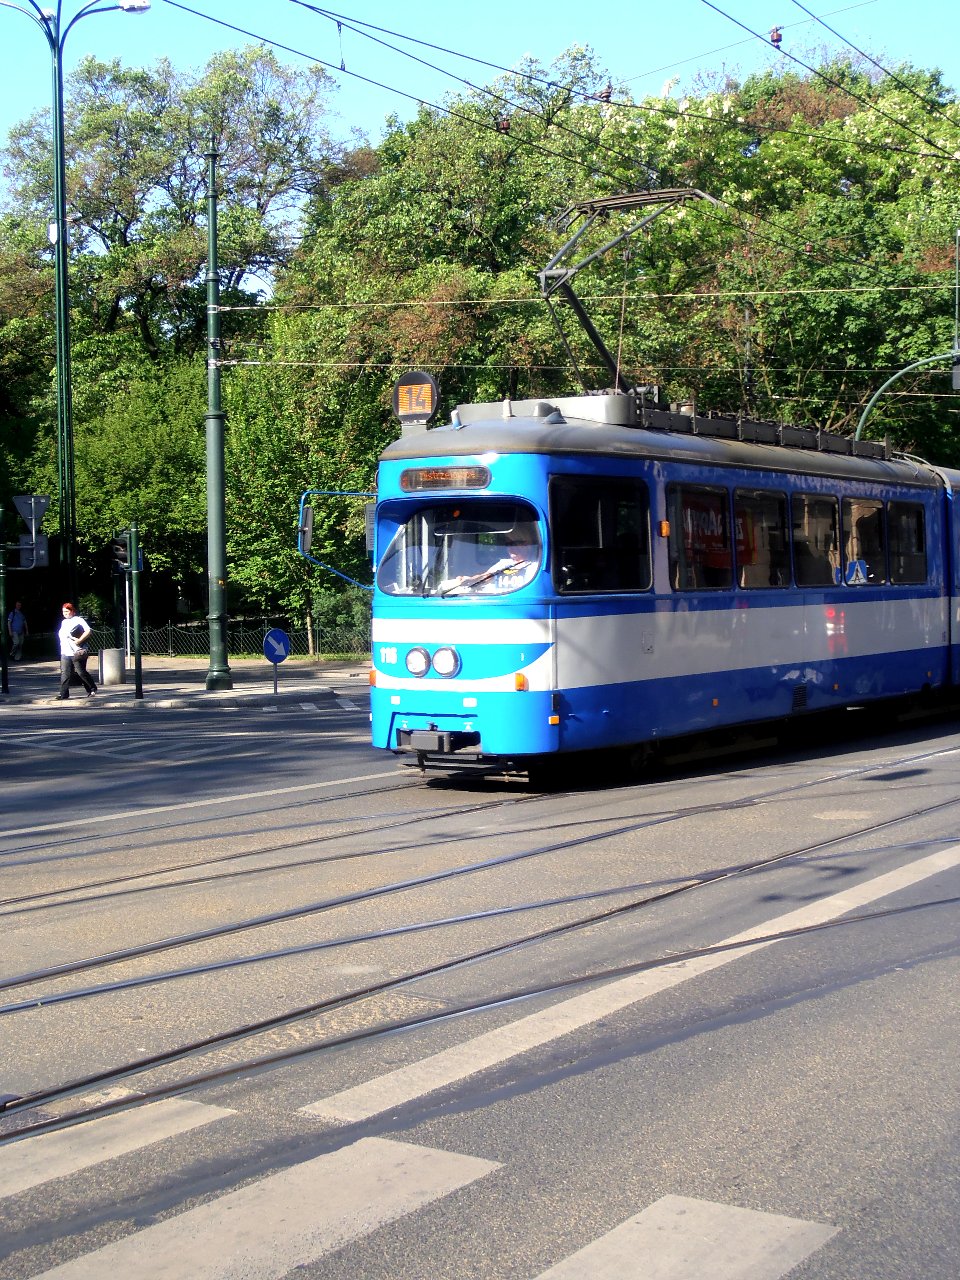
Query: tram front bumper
{"points": [[435, 741]]}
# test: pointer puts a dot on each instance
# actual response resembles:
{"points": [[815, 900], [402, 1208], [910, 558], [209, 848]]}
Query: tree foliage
{"points": [[822, 263]]}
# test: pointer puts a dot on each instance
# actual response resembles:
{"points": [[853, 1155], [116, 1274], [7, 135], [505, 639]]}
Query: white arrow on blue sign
{"points": [[276, 645]]}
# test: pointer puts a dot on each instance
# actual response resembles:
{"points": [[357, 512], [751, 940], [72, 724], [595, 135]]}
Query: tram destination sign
{"points": [[414, 479]]}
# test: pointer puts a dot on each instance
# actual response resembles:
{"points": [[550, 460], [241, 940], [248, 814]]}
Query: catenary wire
{"points": [[491, 127], [646, 108], [595, 142], [835, 84], [901, 84], [456, 115], [682, 294], [484, 90]]}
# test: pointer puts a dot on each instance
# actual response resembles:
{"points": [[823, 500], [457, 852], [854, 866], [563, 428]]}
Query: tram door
{"points": [[601, 565]]}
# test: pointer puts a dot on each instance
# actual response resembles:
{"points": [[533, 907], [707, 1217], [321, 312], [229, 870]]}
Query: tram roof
{"points": [[620, 426]]}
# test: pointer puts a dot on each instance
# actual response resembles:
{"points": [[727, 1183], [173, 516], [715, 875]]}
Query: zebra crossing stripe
{"points": [[491, 1049], [290, 1219], [682, 1239], [34, 1161]]}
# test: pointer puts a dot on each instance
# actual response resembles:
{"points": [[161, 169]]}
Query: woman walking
{"points": [[74, 634]]}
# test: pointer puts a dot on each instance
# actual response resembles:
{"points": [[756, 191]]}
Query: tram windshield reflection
{"points": [[456, 549]]}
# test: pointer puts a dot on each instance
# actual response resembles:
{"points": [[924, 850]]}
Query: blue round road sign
{"points": [[276, 645]]}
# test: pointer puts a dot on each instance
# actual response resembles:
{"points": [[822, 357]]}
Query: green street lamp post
{"points": [[218, 673], [917, 364], [56, 27]]}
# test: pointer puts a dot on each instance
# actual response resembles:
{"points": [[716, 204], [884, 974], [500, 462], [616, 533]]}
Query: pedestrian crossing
{"points": [[298, 1215], [54, 1155], [295, 1217], [680, 1239], [288, 1220]]}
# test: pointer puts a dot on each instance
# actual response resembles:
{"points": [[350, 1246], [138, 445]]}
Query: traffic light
{"points": [[120, 550]]}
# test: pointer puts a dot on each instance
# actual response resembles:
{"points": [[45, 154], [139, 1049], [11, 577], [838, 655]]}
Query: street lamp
{"points": [[55, 31]]}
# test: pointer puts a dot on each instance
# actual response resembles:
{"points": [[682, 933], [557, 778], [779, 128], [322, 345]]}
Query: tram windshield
{"points": [[457, 549]]}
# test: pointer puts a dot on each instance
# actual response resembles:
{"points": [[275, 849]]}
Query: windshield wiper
{"points": [[478, 578]]}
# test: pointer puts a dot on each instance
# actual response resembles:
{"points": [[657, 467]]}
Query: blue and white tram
{"points": [[589, 573]]}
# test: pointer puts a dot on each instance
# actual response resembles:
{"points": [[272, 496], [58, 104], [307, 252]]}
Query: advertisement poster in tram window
{"points": [[745, 537], [705, 529]]}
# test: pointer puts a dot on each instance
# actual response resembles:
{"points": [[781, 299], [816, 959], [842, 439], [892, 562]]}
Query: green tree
{"points": [[136, 185]]}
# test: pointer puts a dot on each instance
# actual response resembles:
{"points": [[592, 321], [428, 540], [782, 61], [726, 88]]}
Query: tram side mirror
{"points": [[306, 530]]}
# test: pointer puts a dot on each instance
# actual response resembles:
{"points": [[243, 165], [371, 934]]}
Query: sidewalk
{"points": [[181, 682]]}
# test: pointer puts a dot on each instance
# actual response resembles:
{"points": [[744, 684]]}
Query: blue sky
{"points": [[645, 44]]}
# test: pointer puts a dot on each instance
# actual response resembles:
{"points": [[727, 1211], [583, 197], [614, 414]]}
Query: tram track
{"points": [[130, 883], [71, 894], [96, 836], [363, 896], [688, 885], [14, 1106]]}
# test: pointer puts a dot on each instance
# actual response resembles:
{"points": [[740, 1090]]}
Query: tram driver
{"points": [[514, 568]]}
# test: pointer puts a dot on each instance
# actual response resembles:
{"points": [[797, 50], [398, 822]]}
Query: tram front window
{"points": [[488, 548]]}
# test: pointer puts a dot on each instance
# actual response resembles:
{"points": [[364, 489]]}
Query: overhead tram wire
{"points": [[517, 140], [809, 398], [507, 102], [901, 84], [471, 57], [343, 20], [646, 108], [709, 53], [838, 369], [685, 294], [835, 84]]}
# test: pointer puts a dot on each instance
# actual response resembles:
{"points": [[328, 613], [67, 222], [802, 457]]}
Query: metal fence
{"points": [[242, 639]]}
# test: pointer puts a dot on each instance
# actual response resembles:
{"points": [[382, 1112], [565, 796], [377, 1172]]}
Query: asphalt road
{"points": [[699, 1026]]}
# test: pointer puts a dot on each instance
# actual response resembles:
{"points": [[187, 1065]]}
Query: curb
{"points": [[182, 687], [181, 700]]}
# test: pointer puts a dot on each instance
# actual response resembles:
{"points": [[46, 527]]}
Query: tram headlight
{"points": [[418, 662], [446, 662]]}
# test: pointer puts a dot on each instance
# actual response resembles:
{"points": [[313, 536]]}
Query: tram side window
{"points": [[907, 542], [701, 555], [864, 542], [601, 534], [760, 533], [816, 540]]}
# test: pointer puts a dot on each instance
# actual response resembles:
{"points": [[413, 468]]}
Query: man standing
{"points": [[17, 630], [73, 635]]}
